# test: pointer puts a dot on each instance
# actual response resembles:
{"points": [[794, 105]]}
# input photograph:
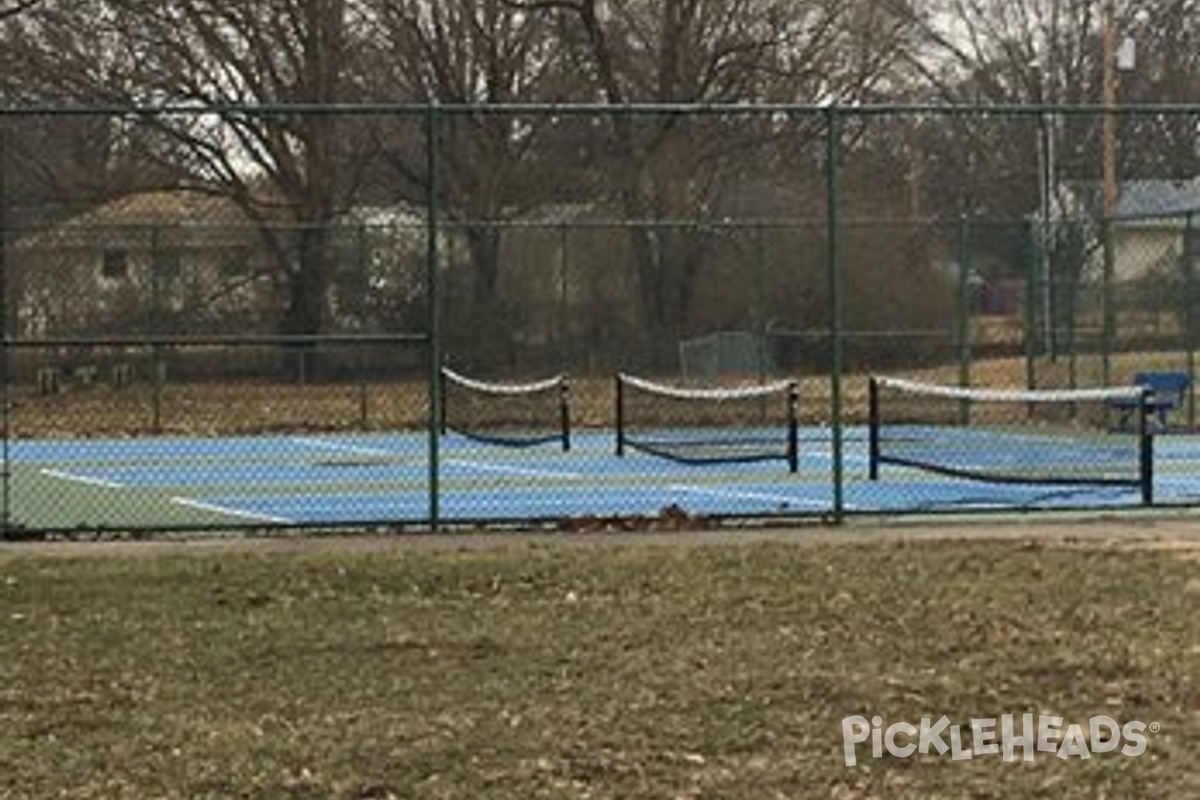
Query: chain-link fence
{"points": [[422, 315]]}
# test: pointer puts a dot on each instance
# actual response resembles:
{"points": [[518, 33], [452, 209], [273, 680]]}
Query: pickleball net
{"points": [[707, 425], [1059, 437], [524, 414]]}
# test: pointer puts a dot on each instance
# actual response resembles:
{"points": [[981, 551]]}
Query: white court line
{"points": [[462, 462], [847, 458], [738, 495], [343, 448], [87, 480], [507, 469], [232, 512]]}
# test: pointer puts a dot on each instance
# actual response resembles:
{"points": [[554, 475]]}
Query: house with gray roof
{"points": [[1155, 225]]}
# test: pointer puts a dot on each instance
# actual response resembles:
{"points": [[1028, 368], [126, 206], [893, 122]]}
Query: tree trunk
{"points": [[307, 308], [490, 343]]}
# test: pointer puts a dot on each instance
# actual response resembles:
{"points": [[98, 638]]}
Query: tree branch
{"points": [[15, 7]]}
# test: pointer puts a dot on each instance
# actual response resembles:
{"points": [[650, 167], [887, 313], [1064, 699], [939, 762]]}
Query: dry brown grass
{"points": [[628, 672]]}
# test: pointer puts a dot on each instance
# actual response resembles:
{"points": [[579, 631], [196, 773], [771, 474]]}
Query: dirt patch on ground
{"points": [[1179, 533]]}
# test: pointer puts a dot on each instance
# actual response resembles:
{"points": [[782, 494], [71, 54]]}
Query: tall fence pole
{"points": [[758, 322], [362, 264], [1191, 253], [433, 121], [834, 277], [5, 373], [158, 363], [1108, 304], [1111, 191], [1031, 332], [563, 350], [963, 317]]}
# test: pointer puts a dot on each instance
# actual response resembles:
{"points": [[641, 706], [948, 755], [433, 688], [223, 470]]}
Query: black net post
{"points": [[793, 418], [619, 406], [873, 429], [564, 412], [1146, 448]]}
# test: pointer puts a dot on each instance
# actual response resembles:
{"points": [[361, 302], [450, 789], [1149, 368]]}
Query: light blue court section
{"points": [[524, 504], [749, 500], [160, 449], [383, 478]]}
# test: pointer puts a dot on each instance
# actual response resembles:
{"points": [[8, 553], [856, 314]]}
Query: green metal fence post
{"points": [[1070, 308], [1109, 311], [360, 356], [5, 407], [1190, 254], [564, 352], [963, 321], [759, 322], [1030, 315], [5, 372], [158, 365], [433, 120], [834, 276]]}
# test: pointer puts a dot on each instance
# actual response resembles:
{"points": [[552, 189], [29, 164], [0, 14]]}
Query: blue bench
{"points": [[1168, 392]]}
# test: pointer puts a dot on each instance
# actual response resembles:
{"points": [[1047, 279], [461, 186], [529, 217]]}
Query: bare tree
{"points": [[1051, 52], [664, 167], [15, 7], [493, 165], [301, 166], [293, 172], [1167, 71]]}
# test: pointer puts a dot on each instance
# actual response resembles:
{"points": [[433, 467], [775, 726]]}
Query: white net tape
{"points": [[982, 395], [490, 387], [716, 395]]}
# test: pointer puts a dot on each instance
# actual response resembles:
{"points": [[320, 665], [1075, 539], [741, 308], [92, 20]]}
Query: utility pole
{"points": [[1110, 191], [1109, 100]]}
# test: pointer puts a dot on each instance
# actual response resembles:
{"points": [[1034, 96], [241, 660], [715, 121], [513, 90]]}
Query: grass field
{"points": [[589, 671]]}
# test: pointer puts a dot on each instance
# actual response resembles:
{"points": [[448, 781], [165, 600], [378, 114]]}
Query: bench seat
{"points": [[1168, 392]]}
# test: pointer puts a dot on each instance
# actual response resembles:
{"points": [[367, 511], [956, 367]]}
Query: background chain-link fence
{"points": [[213, 321]]}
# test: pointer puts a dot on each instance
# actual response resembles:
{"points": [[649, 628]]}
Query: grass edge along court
{"points": [[605, 667]]}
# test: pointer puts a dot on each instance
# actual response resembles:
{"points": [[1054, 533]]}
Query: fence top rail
{"points": [[434, 107], [217, 340], [418, 222]]}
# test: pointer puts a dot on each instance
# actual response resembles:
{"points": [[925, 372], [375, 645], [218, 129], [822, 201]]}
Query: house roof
{"points": [[162, 207], [186, 212], [1158, 198], [1138, 199]]}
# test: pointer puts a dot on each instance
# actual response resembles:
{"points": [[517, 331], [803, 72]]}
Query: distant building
{"points": [[1154, 224], [134, 263], [189, 261]]}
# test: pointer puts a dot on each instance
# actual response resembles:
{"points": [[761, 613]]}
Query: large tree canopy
{"points": [[297, 172]]}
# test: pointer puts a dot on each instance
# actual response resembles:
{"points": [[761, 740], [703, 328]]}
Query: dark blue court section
{"points": [[383, 478]]}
